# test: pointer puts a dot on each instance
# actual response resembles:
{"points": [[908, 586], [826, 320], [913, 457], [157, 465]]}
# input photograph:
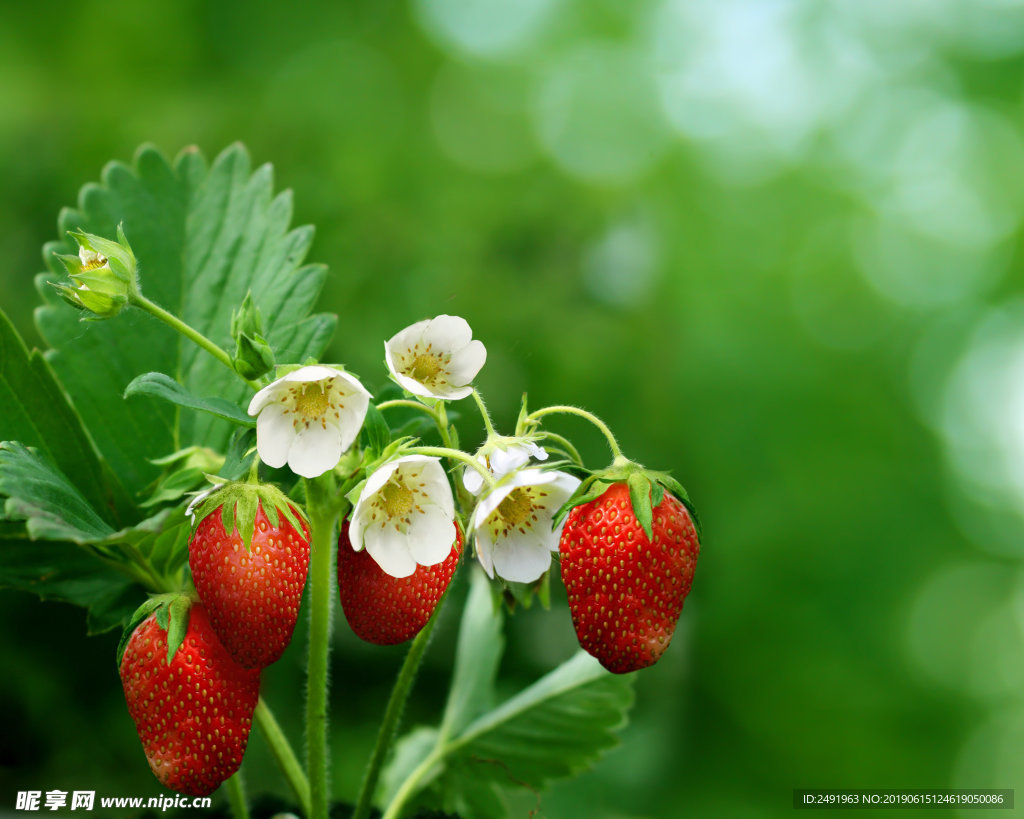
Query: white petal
{"points": [[391, 551], [315, 372], [266, 396], [535, 451], [467, 362], [408, 338], [352, 419], [315, 450], [489, 503], [450, 393], [274, 436], [522, 559], [350, 384], [504, 461], [431, 536], [375, 482], [484, 547], [473, 480], [447, 333], [414, 386]]}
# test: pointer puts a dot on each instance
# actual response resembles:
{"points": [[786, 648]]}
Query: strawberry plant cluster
{"points": [[278, 478]]}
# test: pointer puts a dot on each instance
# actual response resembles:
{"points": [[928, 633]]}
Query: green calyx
{"points": [[647, 489], [171, 610], [238, 503], [253, 354], [104, 275]]}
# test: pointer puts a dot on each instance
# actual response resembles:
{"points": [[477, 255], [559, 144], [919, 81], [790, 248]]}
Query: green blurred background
{"points": [[775, 244]]}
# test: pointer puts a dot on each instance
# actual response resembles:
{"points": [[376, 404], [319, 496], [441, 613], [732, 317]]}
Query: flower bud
{"points": [[103, 275], [253, 355]]}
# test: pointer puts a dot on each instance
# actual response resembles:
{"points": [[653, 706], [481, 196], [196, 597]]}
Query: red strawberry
{"points": [[251, 583], [388, 610], [626, 591], [193, 713]]}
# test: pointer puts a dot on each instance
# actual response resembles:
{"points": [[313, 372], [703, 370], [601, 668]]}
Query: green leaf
{"points": [[204, 236], [65, 572], [556, 727], [166, 388], [477, 656], [35, 410], [376, 432], [38, 493]]}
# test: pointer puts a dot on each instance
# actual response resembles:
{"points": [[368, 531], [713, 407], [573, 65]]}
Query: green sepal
{"points": [[253, 354], [177, 615], [353, 494], [171, 612], [640, 498], [591, 489], [238, 503]]}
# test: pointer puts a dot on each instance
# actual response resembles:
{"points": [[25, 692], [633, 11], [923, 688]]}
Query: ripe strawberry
{"points": [[251, 572], [388, 610], [193, 711], [626, 590]]}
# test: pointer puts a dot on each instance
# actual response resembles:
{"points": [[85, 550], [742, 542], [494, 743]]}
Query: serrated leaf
{"points": [[167, 389], [556, 727], [203, 236], [65, 572], [38, 493], [477, 657], [35, 410]]}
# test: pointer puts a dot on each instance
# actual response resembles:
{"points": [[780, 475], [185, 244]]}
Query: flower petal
{"points": [[274, 436], [431, 536], [408, 338], [314, 372], [268, 395], [447, 333], [413, 386], [467, 362], [522, 559], [484, 550], [390, 549], [315, 450]]}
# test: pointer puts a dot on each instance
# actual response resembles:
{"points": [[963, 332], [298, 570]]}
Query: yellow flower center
{"points": [[517, 507], [312, 400], [425, 367], [94, 263], [398, 500]]}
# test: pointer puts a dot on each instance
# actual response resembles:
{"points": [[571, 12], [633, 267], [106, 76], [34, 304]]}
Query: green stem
{"points": [[190, 333], [322, 516], [412, 782], [236, 796], [483, 413], [399, 694], [455, 455], [442, 424], [566, 444], [597, 422], [283, 753], [405, 402]]}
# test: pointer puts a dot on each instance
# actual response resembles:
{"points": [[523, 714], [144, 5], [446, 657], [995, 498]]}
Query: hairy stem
{"points": [[236, 796], [322, 517], [405, 402], [412, 782], [399, 694], [582, 413], [456, 455], [484, 413], [190, 333], [283, 753]]}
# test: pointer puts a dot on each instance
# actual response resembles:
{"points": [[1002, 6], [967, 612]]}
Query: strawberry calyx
{"points": [[171, 612], [647, 488], [238, 501]]}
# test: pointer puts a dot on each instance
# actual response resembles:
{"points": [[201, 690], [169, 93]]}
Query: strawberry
{"points": [[626, 588], [193, 705], [249, 557], [388, 610]]}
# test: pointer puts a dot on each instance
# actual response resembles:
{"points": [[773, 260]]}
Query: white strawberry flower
{"points": [[436, 358], [500, 458], [405, 515], [308, 418], [513, 523]]}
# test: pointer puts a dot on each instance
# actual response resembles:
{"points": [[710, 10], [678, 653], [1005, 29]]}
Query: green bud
{"points": [[253, 355], [103, 275]]}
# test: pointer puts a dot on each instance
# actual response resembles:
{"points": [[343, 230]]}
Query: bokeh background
{"points": [[775, 244]]}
